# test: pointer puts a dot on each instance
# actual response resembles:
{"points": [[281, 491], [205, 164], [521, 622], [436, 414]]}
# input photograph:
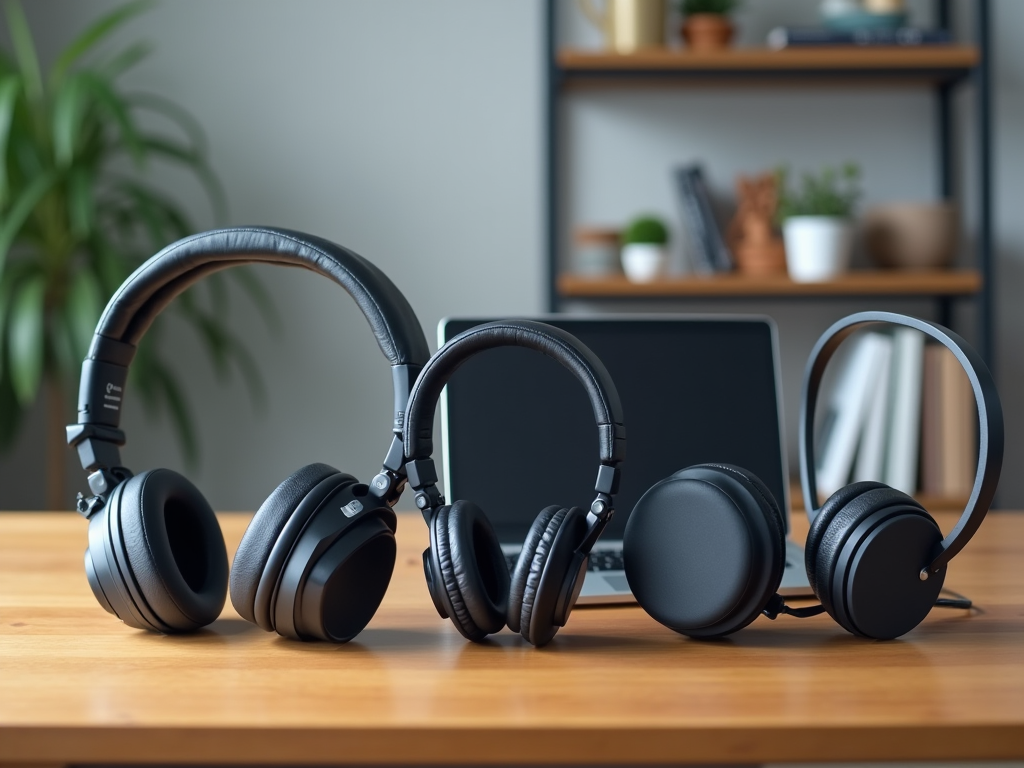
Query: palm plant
{"points": [[77, 216]]}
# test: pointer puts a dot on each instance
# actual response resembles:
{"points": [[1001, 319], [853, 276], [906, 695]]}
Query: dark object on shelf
{"points": [[752, 235], [708, 252], [792, 37]]}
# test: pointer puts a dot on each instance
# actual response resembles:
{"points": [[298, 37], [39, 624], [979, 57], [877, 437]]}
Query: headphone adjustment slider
{"points": [[87, 507]]}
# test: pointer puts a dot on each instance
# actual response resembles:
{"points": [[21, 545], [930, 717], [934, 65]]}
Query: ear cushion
{"points": [[536, 570], [843, 522], [175, 549], [832, 506], [522, 569], [472, 569], [264, 530]]}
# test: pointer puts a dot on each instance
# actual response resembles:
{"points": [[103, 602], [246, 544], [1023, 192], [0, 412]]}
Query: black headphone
{"points": [[704, 550], [464, 565], [318, 555]]}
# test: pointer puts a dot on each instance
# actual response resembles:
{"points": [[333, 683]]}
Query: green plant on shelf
{"points": [[832, 192], [717, 7], [77, 217], [645, 229]]}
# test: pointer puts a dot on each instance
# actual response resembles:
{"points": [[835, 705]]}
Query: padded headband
{"points": [[134, 306], [990, 419], [551, 341]]}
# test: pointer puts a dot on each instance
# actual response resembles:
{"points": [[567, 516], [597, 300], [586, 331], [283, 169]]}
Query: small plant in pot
{"points": [[817, 223], [644, 251], [706, 24]]}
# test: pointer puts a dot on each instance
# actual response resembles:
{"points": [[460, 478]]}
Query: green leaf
{"points": [[25, 51], [81, 215], [10, 88], [11, 414], [25, 338], [170, 150], [84, 304], [116, 108], [68, 109], [15, 218], [127, 59], [95, 34], [179, 116]]}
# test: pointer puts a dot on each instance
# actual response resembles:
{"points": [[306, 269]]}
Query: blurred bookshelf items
{"points": [[705, 245], [706, 25], [627, 25], [817, 222], [596, 251], [850, 23], [752, 235], [911, 235], [900, 412], [645, 249]]}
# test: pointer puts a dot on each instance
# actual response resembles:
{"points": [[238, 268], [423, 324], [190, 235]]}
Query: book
{"points": [[870, 464], [932, 440], [797, 37], [706, 247], [905, 423], [843, 420], [949, 426]]}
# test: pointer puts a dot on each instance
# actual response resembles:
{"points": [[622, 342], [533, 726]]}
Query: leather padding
{"points": [[537, 562], [553, 342], [517, 586], [472, 569], [838, 531], [263, 532], [832, 506], [153, 285], [166, 521]]}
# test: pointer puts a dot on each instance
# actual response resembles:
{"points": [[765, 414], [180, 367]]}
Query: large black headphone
{"points": [[464, 565], [317, 557], [704, 550]]}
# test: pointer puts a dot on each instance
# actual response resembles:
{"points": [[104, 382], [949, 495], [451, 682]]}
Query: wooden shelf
{"points": [[732, 284], [912, 63]]}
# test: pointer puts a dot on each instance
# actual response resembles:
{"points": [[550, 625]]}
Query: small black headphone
{"points": [[704, 550], [317, 557], [464, 565]]}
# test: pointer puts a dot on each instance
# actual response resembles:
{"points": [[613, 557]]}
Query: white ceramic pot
{"points": [[818, 248], [643, 262]]}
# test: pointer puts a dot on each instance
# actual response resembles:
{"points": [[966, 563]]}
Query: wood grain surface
{"points": [[614, 687]]}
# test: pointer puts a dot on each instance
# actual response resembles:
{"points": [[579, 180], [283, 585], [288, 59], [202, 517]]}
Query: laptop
{"points": [[518, 432]]}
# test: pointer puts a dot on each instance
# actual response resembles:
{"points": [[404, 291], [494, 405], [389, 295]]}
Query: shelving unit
{"points": [[941, 68]]}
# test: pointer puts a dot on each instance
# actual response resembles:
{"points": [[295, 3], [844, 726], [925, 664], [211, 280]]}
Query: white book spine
{"points": [[871, 454], [905, 423]]}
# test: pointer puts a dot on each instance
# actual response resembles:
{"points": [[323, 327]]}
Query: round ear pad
{"points": [[868, 562], [175, 550], [704, 550], [522, 570], [832, 506], [548, 569], [472, 569], [263, 531]]}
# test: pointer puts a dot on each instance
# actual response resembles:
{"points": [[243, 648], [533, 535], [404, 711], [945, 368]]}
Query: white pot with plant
{"points": [[644, 251], [817, 222]]}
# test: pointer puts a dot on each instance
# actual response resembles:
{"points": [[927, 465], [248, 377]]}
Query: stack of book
{"points": [[900, 413], [705, 246]]}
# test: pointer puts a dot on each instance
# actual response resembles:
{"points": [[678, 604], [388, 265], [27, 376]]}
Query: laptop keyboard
{"points": [[605, 560]]}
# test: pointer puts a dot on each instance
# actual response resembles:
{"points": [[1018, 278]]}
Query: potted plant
{"points": [[706, 23], [817, 224], [77, 217], [644, 255]]}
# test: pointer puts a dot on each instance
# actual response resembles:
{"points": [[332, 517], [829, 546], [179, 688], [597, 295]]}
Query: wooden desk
{"points": [[613, 688]]}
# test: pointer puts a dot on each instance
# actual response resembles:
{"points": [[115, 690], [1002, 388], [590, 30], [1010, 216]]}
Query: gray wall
{"points": [[411, 132]]}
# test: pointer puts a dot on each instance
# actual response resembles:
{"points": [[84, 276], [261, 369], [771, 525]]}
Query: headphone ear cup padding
{"points": [[521, 573], [175, 548], [263, 531]]}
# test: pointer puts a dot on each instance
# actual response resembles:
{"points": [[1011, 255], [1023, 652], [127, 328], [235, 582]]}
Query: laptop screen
{"points": [[519, 433]]}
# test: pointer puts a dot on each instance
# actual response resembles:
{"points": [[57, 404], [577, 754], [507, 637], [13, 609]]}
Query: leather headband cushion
{"points": [[553, 342], [264, 530], [517, 585], [175, 548], [832, 506], [154, 284]]}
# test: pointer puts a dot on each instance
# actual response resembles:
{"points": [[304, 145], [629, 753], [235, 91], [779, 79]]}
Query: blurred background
{"points": [[414, 133]]}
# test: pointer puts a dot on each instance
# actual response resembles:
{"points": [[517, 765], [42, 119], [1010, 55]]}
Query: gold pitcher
{"points": [[628, 25]]}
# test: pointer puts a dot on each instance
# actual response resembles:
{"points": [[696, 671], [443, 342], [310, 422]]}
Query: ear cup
{"points": [[548, 570], [177, 561], [472, 569], [704, 550], [832, 506], [263, 532], [522, 570]]}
